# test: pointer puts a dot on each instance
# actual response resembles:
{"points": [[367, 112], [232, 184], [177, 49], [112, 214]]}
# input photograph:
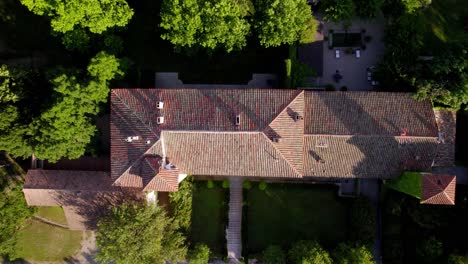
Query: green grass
{"points": [[52, 213], [408, 182], [286, 213], [209, 216], [38, 241], [442, 21]]}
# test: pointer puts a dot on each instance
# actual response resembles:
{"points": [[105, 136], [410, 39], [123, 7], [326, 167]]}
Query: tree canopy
{"points": [[308, 252], [134, 233], [283, 22], [352, 254], [339, 10], [95, 15], [207, 24]]}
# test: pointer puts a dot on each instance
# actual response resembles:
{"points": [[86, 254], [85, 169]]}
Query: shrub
{"points": [[226, 184], [274, 255], [181, 204], [457, 259], [346, 253], [430, 249], [308, 252], [362, 221], [262, 186], [247, 185], [200, 254], [210, 184], [308, 35]]}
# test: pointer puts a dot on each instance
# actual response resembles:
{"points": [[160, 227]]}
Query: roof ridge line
{"points": [[134, 114], [282, 156], [210, 132], [360, 135]]}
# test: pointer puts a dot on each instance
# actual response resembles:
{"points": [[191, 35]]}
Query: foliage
{"points": [[247, 185], [427, 216], [262, 186], [288, 68], [458, 259], [352, 254], [339, 10], [207, 24], [368, 8], [136, 233], [95, 15], [11, 84], [226, 184], [283, 22], [66, 128], [308, 252], [274, 254], [77, 39], [300, 72], [408, 182], [362, 221], [308, 35], [113, 44], [199, 255], [210, 184], [412, 5], [181, 204], [430, 249]]}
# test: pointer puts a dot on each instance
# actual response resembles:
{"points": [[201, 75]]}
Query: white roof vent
{"points": [[160, 105], [148, 142], [160, 120], [130, 139], [237, 120]]}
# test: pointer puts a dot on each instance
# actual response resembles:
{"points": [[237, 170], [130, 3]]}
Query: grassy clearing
{"points": [[409, 183], [52, 213], [209, 216], [286, 213], [38, 241]]}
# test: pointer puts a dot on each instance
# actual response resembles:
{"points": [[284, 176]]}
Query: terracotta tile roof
{"points": [[368, 113], [286, 132], [446, 122], [438, 189], [68, 180], [165, 181], [268, 133], [366, 156], [226, 154]]}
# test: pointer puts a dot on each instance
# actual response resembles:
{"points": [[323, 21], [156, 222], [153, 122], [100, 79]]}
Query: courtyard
{"points": [[345, 58], [286, 213]]}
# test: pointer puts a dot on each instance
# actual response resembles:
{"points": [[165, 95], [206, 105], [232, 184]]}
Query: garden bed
{"points": [[210, 216], [286, 213]]}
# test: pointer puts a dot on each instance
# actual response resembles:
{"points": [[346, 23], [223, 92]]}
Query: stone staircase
{"points": [[234, 230]]}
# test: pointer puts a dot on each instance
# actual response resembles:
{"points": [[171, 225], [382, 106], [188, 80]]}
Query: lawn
{"points": [[38, 241], [285, 213], [209, 216], [408, 182], [52, 213]]}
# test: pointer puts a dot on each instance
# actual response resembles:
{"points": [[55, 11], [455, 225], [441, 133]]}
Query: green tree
{"points": [[11, 84], [339, 10], [413, 5], [207, 24], [77, 39], [308, 252], [181, 204], [95, 15], [134, 233], [430, 249], [200, 254], [457, 259], [274, 254], [281, 22], [66, 128], [352, 254], [368, 8]]}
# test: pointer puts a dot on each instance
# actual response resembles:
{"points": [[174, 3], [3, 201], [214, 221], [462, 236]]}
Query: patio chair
{"points": [[358, 54], [337, 54]]}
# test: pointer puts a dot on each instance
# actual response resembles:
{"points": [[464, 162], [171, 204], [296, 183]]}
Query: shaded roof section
{"points": [[368, 113], [68, 180], [438, 189], [366, 156], [447, 124], [226, 154]]}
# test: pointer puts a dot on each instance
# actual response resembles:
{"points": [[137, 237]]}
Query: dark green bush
{"points": [[210, 184], [430, 249], [181, 204], [200, 254], [274, 255], [362, 221], [262, 186], [226, 184], [247, 185], [308, 252]]}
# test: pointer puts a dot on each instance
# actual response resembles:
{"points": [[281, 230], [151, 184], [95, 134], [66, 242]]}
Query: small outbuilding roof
{"points": [[438, 189]]}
